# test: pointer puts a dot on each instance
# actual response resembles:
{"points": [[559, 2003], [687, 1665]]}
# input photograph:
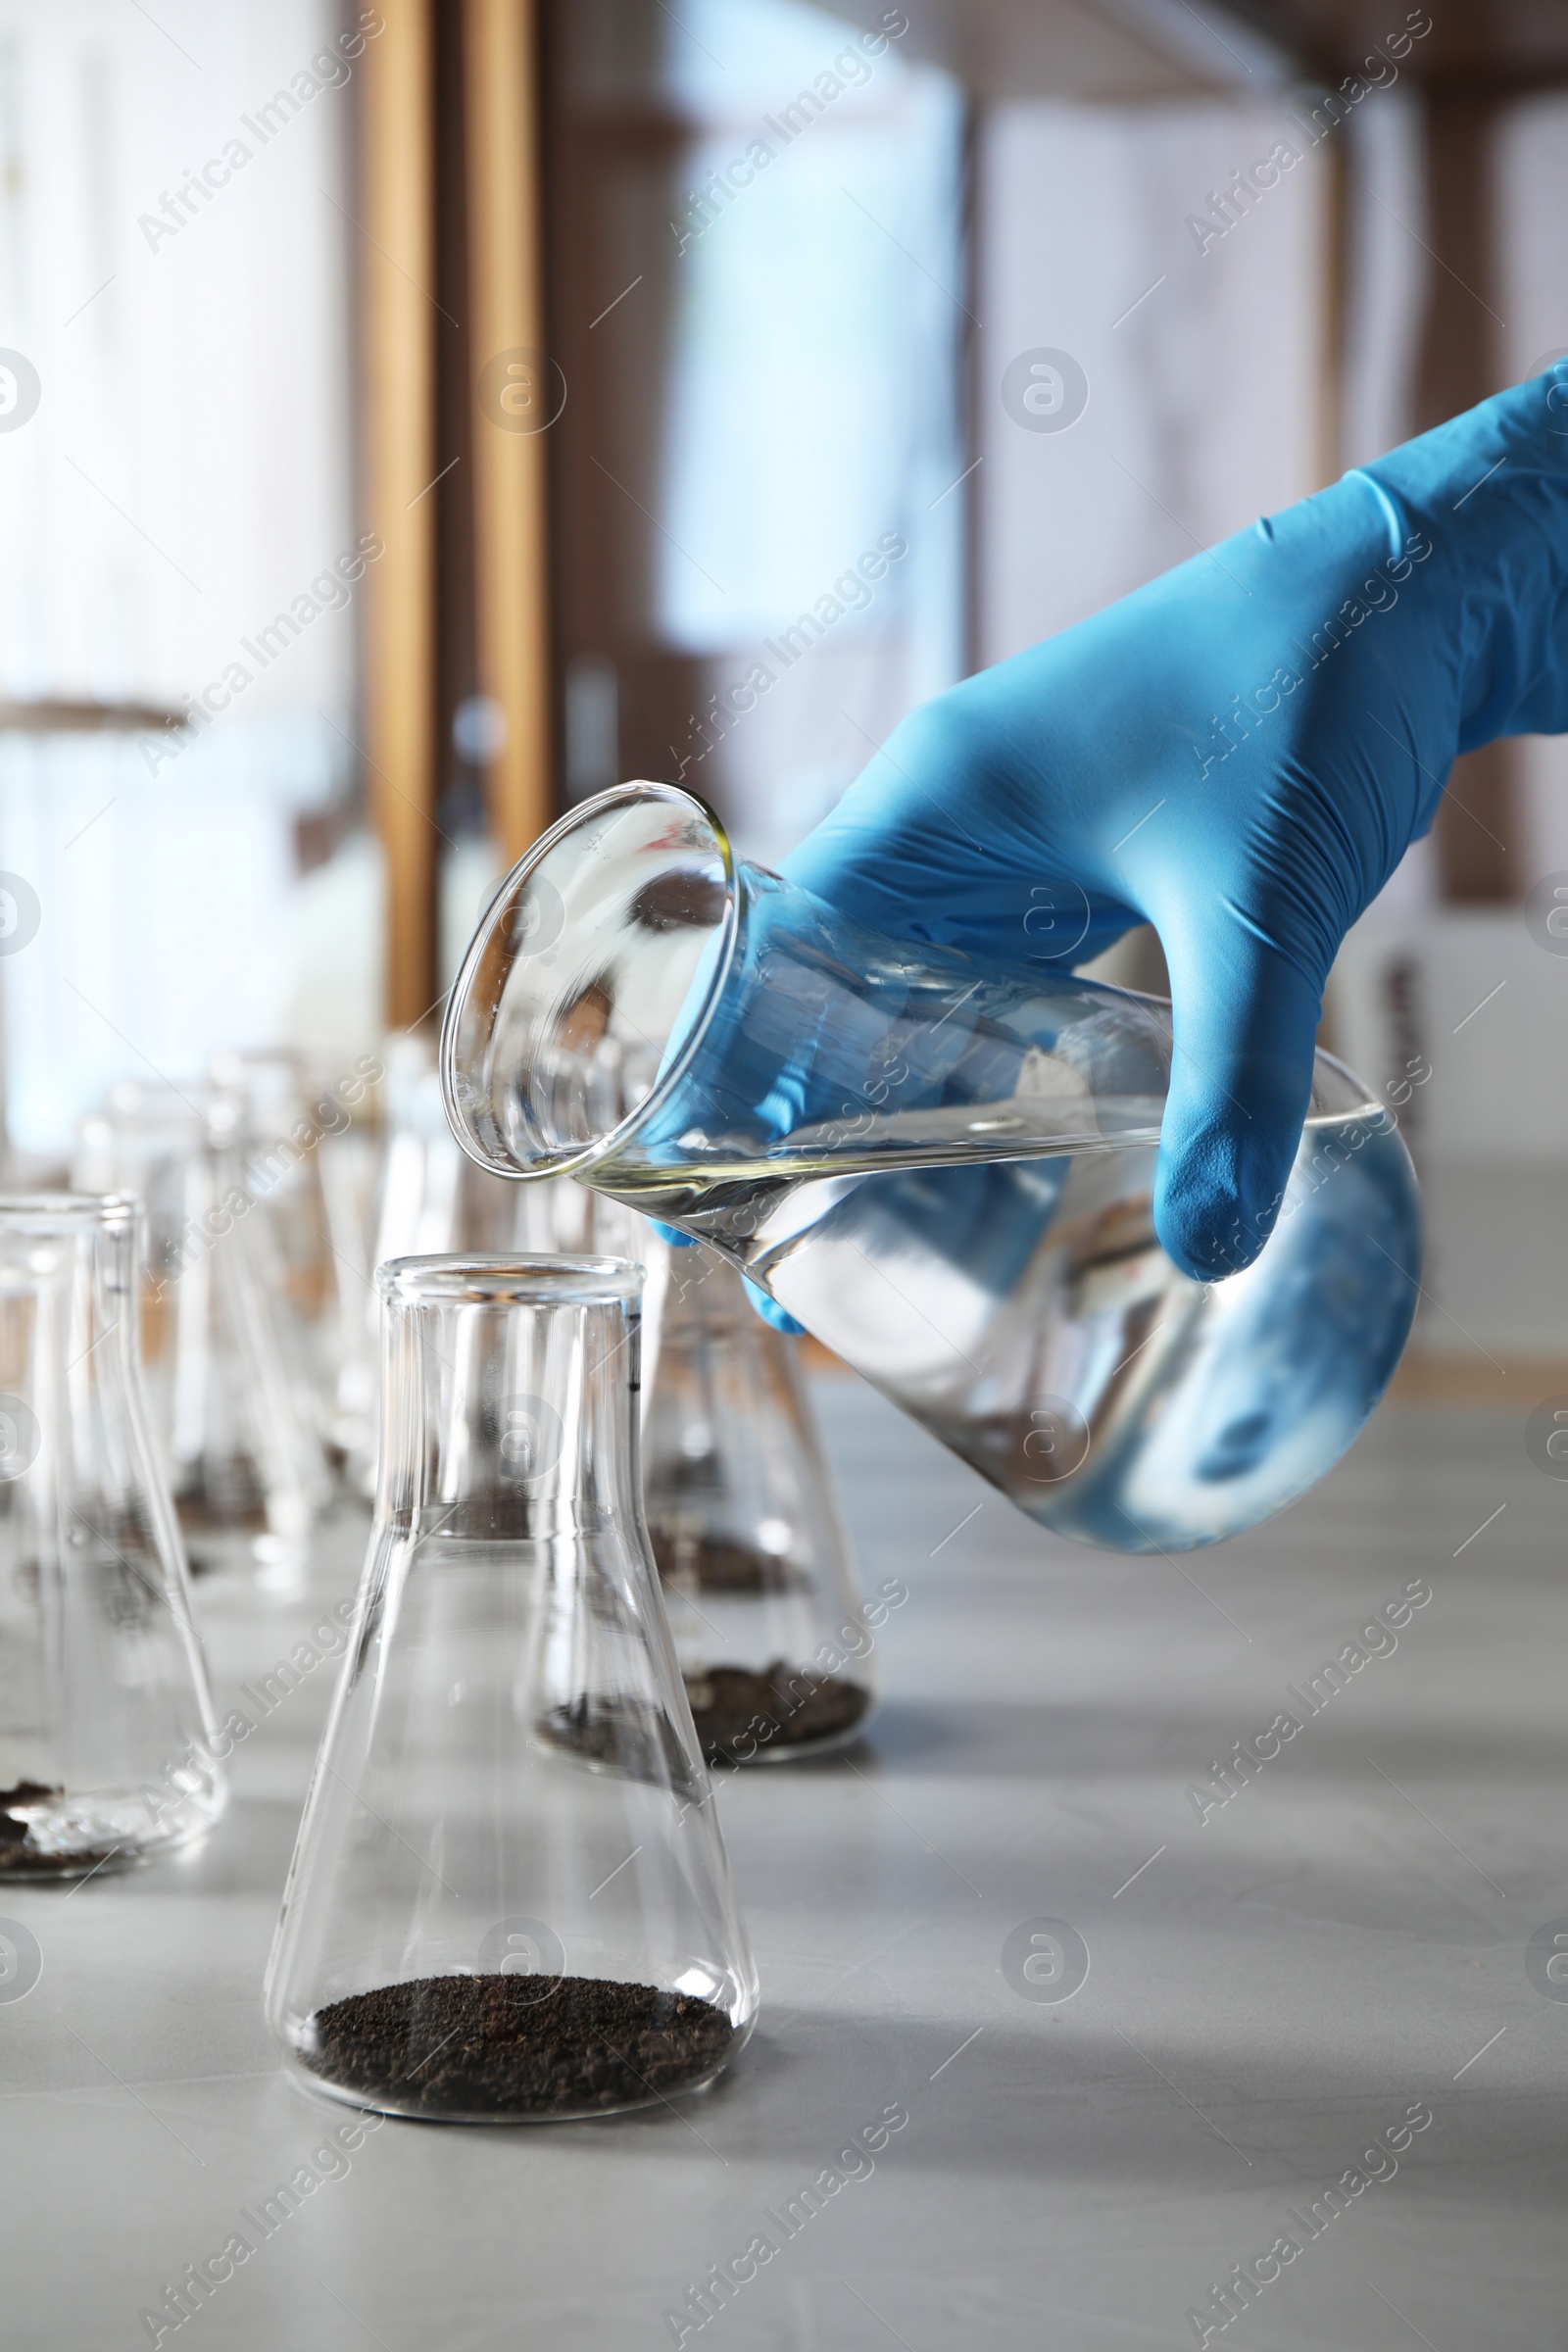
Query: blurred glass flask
{"points": [[107, 1745], [944, 1172], [242, 1456], [510, 1899], [289, 1129], [432, 1200], [773, 1644]]}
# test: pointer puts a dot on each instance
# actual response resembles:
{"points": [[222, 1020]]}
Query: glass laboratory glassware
{"points": [[772, 1642], [432, 1200], [108, 1744], [435, 1200], [350, 1165], [243, 1460], [510, 1899], [945, 1172], [285, 1131]]}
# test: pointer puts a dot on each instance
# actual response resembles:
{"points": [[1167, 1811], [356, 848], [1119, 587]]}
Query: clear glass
{"points": [[350, 1165], [108, 1746], [945, 1172], [243, 1460], [432, 1200], [435, 1200], [773, 1644], [510, 1899], [283, 1139]]}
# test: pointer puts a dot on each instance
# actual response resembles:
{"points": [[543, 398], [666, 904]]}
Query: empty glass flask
{"points": [[109, 1752], [945, 1172], [435, 1200], [510, 1899], [432, 1200], [242, 1456], [773, 1644], [290, 1128]]}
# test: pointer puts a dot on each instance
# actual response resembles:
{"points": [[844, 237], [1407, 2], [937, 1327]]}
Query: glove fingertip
{"points": [[1245, 1026], [1217, 1199], [672, 1235], [771, 1312]]}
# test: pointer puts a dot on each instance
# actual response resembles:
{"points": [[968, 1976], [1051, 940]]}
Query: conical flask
{"points": [[773, 1646], [108, 1746], [432, 1200], [945, 1172], [246, 1468], [510, 1899], [288, 1128]]}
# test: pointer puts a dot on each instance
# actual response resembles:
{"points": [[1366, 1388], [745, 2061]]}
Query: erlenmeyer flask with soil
{"points": [[242, 1457], [772, 1641], [945, 1172], [510, 1899], [109, 1752]]}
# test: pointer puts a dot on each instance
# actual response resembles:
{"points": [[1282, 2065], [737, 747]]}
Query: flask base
{"points": [[46, 1835], [775, 1716], [497, 2048]]}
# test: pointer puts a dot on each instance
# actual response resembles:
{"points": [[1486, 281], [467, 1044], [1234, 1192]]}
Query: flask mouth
{"points": [[50, 1214], [133, 1106], [590, 981], [510, 1280]]}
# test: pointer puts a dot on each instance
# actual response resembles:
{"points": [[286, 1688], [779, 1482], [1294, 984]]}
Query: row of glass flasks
{"points": [[512, 1703], [217, 1350], [270, 1201]]}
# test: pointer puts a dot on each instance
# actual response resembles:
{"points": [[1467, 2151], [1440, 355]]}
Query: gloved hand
{"points": [[1240, 754]]}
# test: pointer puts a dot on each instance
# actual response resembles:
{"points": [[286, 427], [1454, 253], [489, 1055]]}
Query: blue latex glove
{"points": [[1240, 754]]}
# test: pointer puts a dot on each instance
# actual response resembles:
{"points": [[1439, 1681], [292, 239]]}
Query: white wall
{"points": [[1473, 994], [185, 477], [1532, 207], [1200, 410]]}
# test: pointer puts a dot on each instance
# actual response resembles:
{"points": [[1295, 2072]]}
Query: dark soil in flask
{"points": [[715, 1565], [501, 2046], [741, 1715], [21, 1858]]}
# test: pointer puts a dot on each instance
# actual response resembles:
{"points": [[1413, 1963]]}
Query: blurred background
{"points": [[416, 417]]}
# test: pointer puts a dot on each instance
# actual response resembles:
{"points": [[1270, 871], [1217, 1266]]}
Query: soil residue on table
{"points": [[499, 2045]]}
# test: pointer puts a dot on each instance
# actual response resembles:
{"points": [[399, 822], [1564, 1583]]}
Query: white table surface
{"points": [[1284, 1980]]}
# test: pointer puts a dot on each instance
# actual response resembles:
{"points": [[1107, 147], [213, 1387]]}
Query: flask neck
{"points": [[68, 1289], [507, 1416]]}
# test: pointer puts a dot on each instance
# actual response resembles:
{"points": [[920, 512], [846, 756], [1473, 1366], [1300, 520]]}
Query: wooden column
{"points": [[396, 257], [1460, 363], [1335, 298], [514, 398]]}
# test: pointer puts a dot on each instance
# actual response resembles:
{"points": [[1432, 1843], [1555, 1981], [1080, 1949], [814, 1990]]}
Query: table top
{"points": [[1325, 1983]]}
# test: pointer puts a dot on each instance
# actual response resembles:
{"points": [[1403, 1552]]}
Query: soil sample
{"points": [[224, 1497], [637, 1742], [229, 1502], [495, 2046], [713, 1565], [21, 1858], [740, 1715]]}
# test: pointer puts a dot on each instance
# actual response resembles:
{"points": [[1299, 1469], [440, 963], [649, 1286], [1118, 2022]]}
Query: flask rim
{"points": [[470, 1280], [55, 1212], [566, 1161], [159, 1110]]}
